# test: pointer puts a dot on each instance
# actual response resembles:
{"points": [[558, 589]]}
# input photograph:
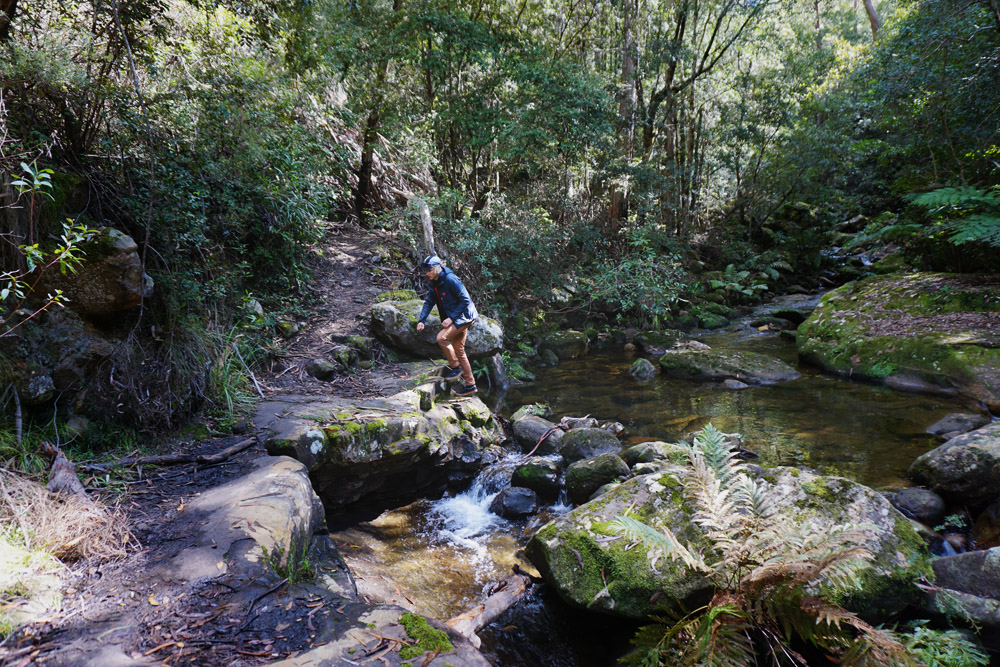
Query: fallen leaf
{"points": [[153, 602]]}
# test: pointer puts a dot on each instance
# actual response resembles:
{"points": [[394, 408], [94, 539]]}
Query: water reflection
{"points": [[865, 432]]}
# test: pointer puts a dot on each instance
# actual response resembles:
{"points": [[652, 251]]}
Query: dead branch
{"points": [[505, 595], [172, 459], [62, 475]]}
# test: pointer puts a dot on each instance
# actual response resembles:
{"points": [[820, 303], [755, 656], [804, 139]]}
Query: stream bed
{"points": [[444, 554]]}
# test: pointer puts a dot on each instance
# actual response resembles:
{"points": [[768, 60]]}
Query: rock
{"points": [[976, 573], [585, 477], [496, 370], [922, 505], [110, 279], [711, 321], [947, 604], [572, 550], [643, 369], [514, 502], [923, 331], [648, 341], [735, 384], [532, 409], [749, 367], [395, 324], [344, 356], [793, 315], [570, 423], [529, 429], [322, 369], [548, 357], [585, 443], [957, 423], [772, 324], [378, 453], [986, 529], [647, 452], [964, 470], [76, 427], [540, 475], [287, 329], [37, 389], [616, 429], [566, 344]]}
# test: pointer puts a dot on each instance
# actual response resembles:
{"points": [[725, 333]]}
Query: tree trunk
{"points": [[995, 9], [361, 202], [819, 26], [8, 9], [507, 593], [626, 110], [873, 17]]}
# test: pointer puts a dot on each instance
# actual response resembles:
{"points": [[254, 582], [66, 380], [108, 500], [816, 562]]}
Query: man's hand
{"points": [[420, 326], [446, 323]]}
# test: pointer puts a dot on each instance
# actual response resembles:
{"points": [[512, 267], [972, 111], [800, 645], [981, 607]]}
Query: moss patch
{"points": [[426, 637]]}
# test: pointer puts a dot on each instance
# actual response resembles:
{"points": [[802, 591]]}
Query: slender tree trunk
{"points": [[819, 26], [873, 17], [8, 9], [626, 110]]}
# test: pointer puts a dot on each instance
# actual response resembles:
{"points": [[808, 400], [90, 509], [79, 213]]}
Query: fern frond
{"points": [[658, 543]]}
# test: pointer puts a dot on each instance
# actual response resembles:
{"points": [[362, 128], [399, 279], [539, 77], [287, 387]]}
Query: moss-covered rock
{"points": [[964, 470], [529, 431], [584, 443], [566, 344], [540, 475], [718, 365], [585, 477], [589, 570], [921, 331], [394, 322], [642, 369]]}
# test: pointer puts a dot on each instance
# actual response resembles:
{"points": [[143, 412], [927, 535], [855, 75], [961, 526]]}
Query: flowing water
{"points": [[439, 557]]}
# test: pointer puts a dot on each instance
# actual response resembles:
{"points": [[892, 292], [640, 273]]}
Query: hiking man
{"points": [[457, 314]]}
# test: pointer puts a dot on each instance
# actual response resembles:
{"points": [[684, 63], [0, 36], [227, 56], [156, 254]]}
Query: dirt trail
{"points": [[114, 613]]}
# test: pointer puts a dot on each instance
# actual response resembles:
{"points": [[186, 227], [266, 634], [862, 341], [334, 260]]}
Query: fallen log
{"points": [[505, 594], [173, 459]]}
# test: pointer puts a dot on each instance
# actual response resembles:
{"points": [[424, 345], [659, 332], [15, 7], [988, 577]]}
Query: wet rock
{"points": [[986, 529], [735, 384], [650, 342], [749, 367], [534, 409], [549, 358], [792, 315], [322, 369], [585, 477], [585, 443], [287, 328], [575, 544], [569, 423], [616, 429], [976, 573], [957, 423], [395, 324], [529, 429], [647, 452], [566, 344], [965, 470], [642, 369], [344, 356], [541, 475], [514, 502], [922, 505]]}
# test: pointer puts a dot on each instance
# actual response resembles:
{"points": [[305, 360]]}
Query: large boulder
{"points": [[110, 279], [395, 324], [719, 365], [589, 570], [529, 429], [566, 344], [539, 474], [969, 584], [966, 469], [385, 452], [931, 332]]}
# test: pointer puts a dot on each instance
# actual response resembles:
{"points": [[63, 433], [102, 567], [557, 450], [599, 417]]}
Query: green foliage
{"points": [[766, 572], [944, 648], [296, 567], [968, 214]]}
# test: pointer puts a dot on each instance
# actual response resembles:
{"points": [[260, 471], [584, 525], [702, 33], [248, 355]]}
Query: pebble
{"points": [[346, 283]]}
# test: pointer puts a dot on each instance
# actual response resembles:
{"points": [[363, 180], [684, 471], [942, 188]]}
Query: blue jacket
{"points": [[451, 298]]}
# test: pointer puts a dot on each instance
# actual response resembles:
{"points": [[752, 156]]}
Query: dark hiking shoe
{"points": [[466, 390], [452, 373]]}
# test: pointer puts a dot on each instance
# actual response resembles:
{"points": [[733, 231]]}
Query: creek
{"points": [[443, 554]]}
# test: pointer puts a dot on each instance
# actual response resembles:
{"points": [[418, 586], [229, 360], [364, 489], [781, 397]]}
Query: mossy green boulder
{"points": [[585, 477], [581, 558], [566, 344], [394, 322], [965, 470], [719, 365], [584, 443], [920, 331]]}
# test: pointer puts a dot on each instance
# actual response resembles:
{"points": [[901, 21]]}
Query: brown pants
{"points": [[452, 342]]}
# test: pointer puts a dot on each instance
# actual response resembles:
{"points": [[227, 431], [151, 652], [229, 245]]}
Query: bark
{"points": [[819, 26], [873, 17], [504, 596], [995, 10], [626, 110], [174, 459], [8, 9]]}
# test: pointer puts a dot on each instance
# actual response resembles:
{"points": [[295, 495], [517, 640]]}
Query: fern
{"points": [[772, 577], [969, 214]]}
